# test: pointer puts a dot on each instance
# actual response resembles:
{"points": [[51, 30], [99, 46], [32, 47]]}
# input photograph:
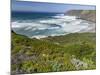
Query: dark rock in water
{"points": [[12, 31], [78, 18], [55, 25]]}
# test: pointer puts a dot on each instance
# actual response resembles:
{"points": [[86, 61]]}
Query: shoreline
{"points": [[88, 15], [85, 15]]}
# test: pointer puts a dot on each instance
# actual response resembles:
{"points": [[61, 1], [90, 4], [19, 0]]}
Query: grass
{"points": [[52, 54]]}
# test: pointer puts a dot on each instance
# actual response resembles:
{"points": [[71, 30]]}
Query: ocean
{"points": [[40, 25]]}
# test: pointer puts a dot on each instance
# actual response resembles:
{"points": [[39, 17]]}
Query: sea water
{"points": [[40, 25]]}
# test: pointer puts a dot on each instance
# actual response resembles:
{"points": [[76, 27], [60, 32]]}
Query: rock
{"points": [[78, 63]]}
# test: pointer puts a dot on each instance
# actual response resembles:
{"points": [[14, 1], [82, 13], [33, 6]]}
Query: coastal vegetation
{"points": [[75, 51]]}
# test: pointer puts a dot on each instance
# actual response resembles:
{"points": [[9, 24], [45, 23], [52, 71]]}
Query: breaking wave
{"points": [[53, 26]]}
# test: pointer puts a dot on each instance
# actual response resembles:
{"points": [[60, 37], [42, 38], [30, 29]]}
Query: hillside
{"points": [[89, 15], [74, 51]]}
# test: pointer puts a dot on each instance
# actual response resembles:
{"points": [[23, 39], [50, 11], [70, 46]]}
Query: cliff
{"points": [[89, 15]]}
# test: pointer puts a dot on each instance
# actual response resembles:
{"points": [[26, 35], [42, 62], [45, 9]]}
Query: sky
{"points": [[24, 6]]}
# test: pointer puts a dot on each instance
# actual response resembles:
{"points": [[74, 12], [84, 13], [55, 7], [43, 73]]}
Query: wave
{"points": [[55, 26]]}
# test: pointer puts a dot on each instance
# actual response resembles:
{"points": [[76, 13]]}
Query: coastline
{"points": [[89, 15]]}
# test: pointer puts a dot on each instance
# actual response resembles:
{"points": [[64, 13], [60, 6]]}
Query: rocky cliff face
{"points": [[89, 15]]}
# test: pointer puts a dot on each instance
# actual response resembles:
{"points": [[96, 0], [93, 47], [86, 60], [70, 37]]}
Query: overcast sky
{"points": [[47, 7]]}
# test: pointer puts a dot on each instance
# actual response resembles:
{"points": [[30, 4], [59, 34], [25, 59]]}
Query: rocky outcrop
{"points": [[89, 15]]}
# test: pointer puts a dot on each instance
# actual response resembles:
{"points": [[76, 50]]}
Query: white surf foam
{"points": [[61, 23]]}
